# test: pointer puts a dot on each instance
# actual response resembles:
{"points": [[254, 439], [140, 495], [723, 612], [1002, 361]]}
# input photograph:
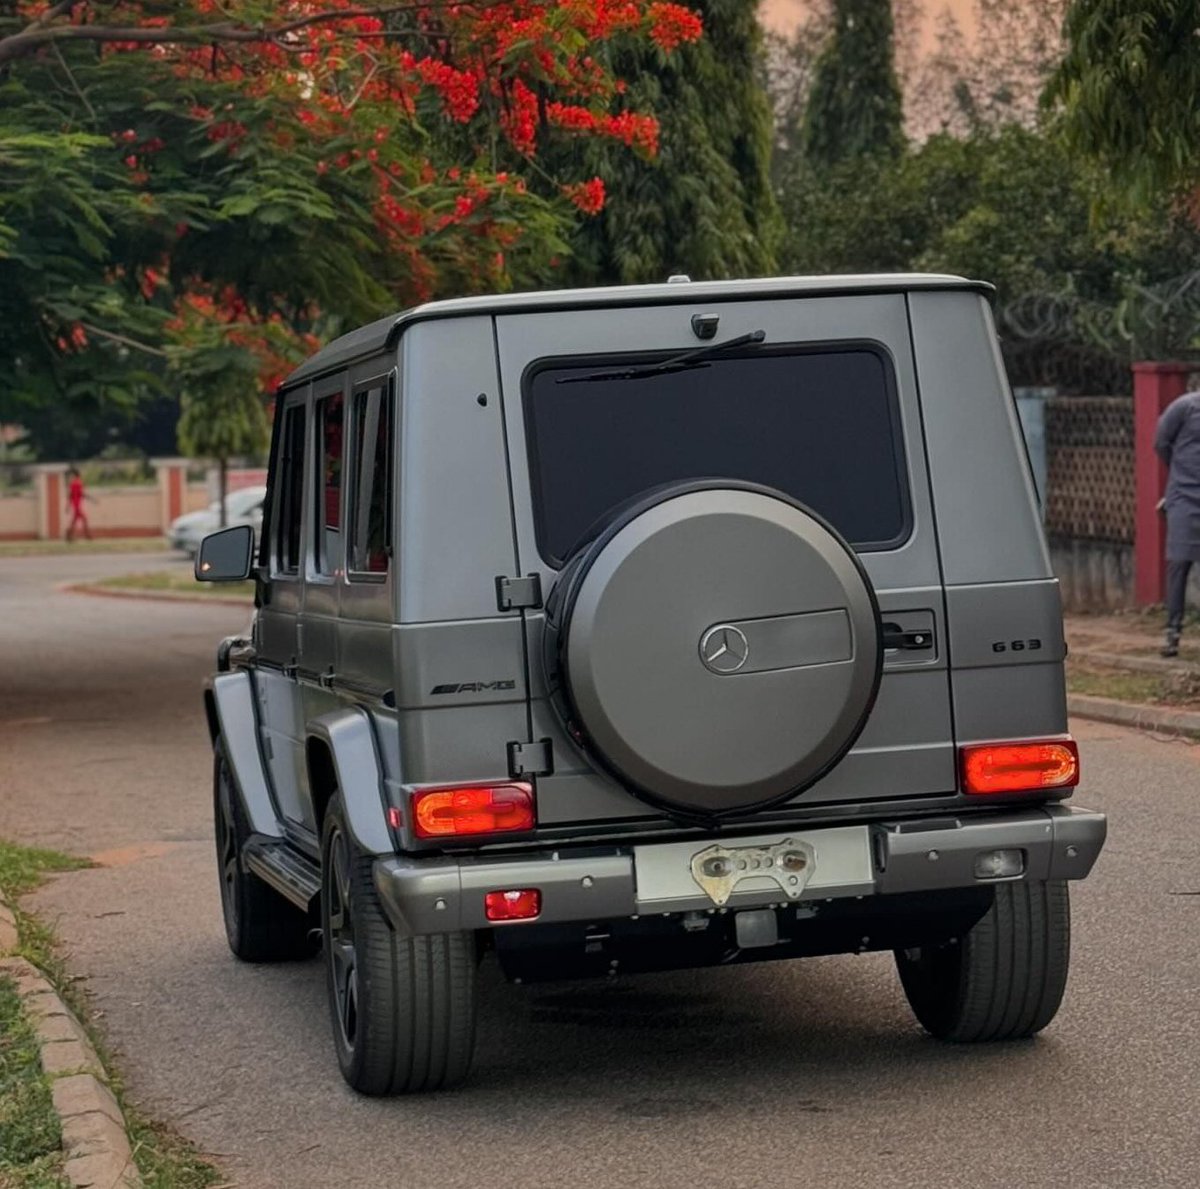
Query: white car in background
{"points": [[244, 506]]}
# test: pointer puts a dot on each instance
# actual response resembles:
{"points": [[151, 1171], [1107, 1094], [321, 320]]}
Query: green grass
{"points": [[22, 868], [1181, 690], [178, 581], [103, 545], [164, 1160], [30, 1153]]}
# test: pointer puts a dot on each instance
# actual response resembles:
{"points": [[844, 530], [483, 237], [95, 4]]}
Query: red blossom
{"points": [[587, 196], [671, 25]]}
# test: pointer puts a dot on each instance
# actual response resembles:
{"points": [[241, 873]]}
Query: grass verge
{"points": [[165, 1160], [30, 1153], [172, 582], [102, 545], [1179, 690]]}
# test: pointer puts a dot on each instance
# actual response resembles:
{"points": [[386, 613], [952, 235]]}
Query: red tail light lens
{"points": [[1019, 767], [520, 904], [473, 809]]}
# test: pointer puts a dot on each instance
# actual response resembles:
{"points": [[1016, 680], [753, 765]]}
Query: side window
{"points": [[371, 499], [327, 554], [290, 465]]}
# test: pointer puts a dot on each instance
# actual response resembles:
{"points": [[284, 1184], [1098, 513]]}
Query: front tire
{"points": [[260, 925], [1005, 978], [402, 1008]]}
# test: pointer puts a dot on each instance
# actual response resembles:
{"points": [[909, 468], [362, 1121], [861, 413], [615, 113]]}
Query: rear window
{"points": [[820, 425]]}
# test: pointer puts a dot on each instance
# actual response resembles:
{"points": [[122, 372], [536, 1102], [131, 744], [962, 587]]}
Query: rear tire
{"points": [[260, 925], [402, 1008], [1004, 979]]}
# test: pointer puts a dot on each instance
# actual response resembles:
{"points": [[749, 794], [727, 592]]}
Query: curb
{"points": [[1133, 714], [155, 596], [94, 1136], [8, 931]]}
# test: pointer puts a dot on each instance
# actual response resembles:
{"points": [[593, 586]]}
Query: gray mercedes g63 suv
{"points": [[640, 628]]}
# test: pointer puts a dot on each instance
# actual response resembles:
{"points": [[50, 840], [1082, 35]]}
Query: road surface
{"points": [[793, 1074]]}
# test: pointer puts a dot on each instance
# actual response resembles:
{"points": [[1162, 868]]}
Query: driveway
{"points": [[792, 1074]]}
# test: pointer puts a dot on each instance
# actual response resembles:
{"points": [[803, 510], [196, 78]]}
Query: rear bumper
{"points": [[921, 855]]}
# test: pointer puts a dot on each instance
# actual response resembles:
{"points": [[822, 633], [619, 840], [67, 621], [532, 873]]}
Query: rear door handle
{"points": [[895, 637]]}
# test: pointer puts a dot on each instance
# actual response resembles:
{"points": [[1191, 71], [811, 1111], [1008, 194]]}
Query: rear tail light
{"points": [[472, 809], [519, 904], [1019, 767]]}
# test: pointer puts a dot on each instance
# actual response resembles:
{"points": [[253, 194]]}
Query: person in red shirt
{"points": [[75, 497]]}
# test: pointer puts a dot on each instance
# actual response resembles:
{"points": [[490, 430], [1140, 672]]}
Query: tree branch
{"points": [[74, 82], [125, 342], [18, 45]]}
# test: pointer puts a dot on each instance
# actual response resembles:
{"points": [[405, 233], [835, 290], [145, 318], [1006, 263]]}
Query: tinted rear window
{"points": [[821, 426]]}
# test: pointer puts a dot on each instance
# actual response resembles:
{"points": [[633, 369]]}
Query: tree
{"points": [[270, 164], [1127, 90], [1077, 296], [855, 109], [704, 204], [789, 65]]}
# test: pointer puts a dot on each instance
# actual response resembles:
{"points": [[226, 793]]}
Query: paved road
{"points": [[790, 1075]]}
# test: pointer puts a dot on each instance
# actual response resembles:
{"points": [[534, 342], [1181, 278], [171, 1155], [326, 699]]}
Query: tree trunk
{"points": [[222, 488]]}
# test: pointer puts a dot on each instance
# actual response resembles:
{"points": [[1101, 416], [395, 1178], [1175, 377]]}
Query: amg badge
{"points": [[471, 687]]}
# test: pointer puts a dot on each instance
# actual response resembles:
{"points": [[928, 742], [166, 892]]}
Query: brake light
{"points": [[519, 904], [1020, 767], [473, 809]]}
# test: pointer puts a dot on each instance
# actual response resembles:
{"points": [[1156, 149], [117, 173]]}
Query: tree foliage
{"points": [[1127, 87], [704, 206], [854, 109], [1077, 297], [254, 172]]}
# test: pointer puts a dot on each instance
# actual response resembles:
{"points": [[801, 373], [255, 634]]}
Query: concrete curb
{"points": [[155, 596], [94, 1137], [1132, 714], [8, 931]]}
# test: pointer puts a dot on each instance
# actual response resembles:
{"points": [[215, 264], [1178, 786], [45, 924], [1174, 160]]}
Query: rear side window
{"points": [[329, 483], [820, 425], [371, 495], [290, 476]]}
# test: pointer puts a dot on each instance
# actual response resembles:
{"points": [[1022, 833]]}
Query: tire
{"points": [[1004, 979], [260, 925], [402, 1008]]}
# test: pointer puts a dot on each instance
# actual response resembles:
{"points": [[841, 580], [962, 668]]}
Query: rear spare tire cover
{"points": [[717, 647]]}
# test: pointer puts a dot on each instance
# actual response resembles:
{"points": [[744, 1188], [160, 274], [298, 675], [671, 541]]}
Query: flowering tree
{"points": [[273, 167]]}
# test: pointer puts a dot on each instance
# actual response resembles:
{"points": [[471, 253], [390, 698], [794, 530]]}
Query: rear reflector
{"points": [[472, 809], [1019, 767], [520, 904]]}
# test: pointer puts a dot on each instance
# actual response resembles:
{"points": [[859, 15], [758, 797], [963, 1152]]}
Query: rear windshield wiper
{"points": [[677, 363]]}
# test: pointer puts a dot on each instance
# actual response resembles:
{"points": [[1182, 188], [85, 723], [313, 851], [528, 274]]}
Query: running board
{"points": [[293, 875]]}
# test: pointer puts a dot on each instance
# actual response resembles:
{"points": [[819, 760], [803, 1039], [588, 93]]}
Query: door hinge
{"points": [[513, 594], [530, 759]]}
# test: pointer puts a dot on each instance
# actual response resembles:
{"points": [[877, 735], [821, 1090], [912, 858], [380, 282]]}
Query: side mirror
{"points": [[226, 556]]}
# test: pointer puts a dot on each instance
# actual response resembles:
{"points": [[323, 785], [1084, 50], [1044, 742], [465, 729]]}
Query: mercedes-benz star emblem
{"points": [[723, 649]]}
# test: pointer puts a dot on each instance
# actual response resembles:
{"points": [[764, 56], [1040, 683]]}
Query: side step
{"points": [[293, 875]]}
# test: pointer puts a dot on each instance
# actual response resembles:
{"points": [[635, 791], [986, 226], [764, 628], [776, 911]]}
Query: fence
{"points": [[1088, 501], [33, 501]]}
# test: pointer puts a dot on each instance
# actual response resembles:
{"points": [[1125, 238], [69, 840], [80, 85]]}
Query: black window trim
{"points": [[387, 382], [320, 393], [640, 358], [295, 400]]}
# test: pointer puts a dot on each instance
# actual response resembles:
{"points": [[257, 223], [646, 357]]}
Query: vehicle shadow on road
{"points": [[826, 1024]]}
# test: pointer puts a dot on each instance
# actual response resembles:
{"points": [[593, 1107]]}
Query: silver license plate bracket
{"points": [[718, 870]]}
